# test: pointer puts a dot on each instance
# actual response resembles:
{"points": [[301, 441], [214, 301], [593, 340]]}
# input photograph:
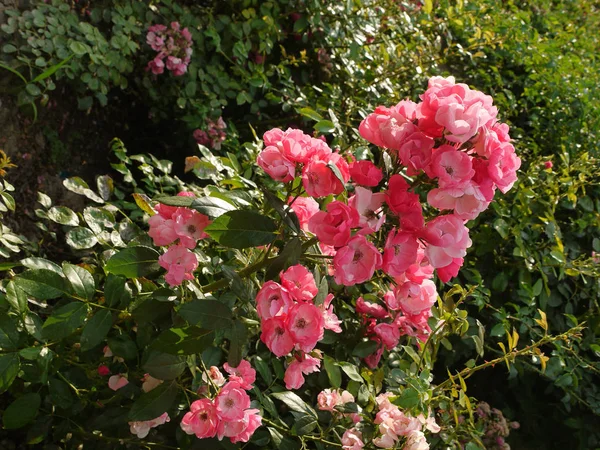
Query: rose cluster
{"points": [[184, 227], [214, 136], [228, 414], [328, 399], [292, 322], [174, 47]]}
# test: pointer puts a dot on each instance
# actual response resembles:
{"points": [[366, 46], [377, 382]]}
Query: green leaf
{"points": [[33, 90], [116, 292], [364, 349], [81, 281], [262, 367], [81, 238], [428, 7], [238, 335], [51, 70], [42, 284], [78, 48], [162, 365], [9, 368], [209, 314], [304, 423], [64, 321], [242, 229], [337, 173], [352, 371], [294, 402], [183, 341], [154, 403], [333, 372], [96, 330], [22, 411], [60, 393], [16, 297], [409, 398], [211, 206], [79, 186], [41, 263], [133, 262], [324, 126], [287, 257], [123, 346], [348, 408], [9, 335], [310, 113]]}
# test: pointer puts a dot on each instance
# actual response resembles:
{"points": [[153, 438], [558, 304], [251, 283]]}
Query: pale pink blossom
{"points": [[252, 420], [272, 300], [189, 226], [371, 309], [388, 333], [142, 428], [414, 298], [365, 173], [369, 207], [330, 320], [399, 253], [215, 376], [404, 204], [429, 423], [294, 374], [415, 153], [415, 440], [276, 336], [162, 231], [273, 137], [116, 382], [201, 420], [319, 180], [231, 402], [328, 399], [372, 361], [352, 440], [448, 238], [356, 262], [149, 382], [334, 226], [503, 166], [243, 374], [305, 208], [179, 263], [299, 282], [467, 202], [452, 167]]}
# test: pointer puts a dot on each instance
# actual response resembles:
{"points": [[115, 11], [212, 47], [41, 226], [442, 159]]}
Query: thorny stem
{"points": [[466, 372]]}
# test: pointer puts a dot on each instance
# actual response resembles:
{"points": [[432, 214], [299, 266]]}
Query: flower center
{"points": [[357, 256], [191, 229], [279, 331], [300, 323], [203, 416], [229, 403]]}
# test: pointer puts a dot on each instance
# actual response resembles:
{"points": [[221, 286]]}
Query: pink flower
{"points": [[352, 440], [276, 165], [388, 127], [391, 301], [450, 271], [371, 309], [295, 146], [320, 181], [404, 204], [415, 152], [372, 361], [157, 66], [548, 165], [149, 383], [365, 173], [201, 137], [162, 231], [414, 298], [189, 226], [448, 238], [430, 423], [327, 400], [305, 208], [503, 166], [179, 263], [276, 336], [330, 320], [400, 252], [272, 300], [389, 334], [167, 211], [453, 168], [107, 351], [103, 370], [369, 206], [252, 420], [334, 226], [243, 374], [141, 429], [294, 374], [415, 440], [215, 375], [116, 382], [299, 282], [201, 420], [420, 270], [356, 262], [231, 402], [305, 325], [466, 202], [273, 137]]}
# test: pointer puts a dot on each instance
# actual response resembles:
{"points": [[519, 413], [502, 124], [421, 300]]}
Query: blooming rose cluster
{"points": [[292, 323], [174, 47], [228, 414], [214, 136], [328, 399], [182, 227], [395, 425]]}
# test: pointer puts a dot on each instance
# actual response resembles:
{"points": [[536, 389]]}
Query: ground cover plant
{"points": [[387, 236]]}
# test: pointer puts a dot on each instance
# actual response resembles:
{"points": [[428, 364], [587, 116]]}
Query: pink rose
{"points": [[467, 202], [201, 420], [328, 399], [294, 374], [162, 231], [448, 238], [149, 383], [414, 298], [400, 252], [369, 206], [276, 336], [189, 226], [157, 66], [141, 429], [243, 374], [334, 226], [371, 309], [388, 333], [273, 137], [252, 420], [305, 208], [404, 204], [319, 180], [215, 376], [299, 282], [231, 402], [116, 382], [272, 300], [365, 173], [179, 263], [352, 440], [305, 325], [415, 152], [503, 166], [330, 320], [356, 262], [453, 168], [276, 165]]}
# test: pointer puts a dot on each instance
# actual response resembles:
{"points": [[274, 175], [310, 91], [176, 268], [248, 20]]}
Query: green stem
{"points": [[312, 438]]}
